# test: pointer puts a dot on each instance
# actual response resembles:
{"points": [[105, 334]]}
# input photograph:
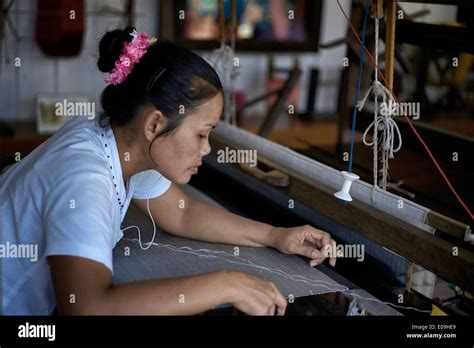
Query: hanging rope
{"points": [[389, 126], [383, 123], [223, 61], [435, 162]]}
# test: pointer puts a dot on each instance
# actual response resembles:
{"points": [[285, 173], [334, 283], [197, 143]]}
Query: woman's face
{"points": [[179, 154]]}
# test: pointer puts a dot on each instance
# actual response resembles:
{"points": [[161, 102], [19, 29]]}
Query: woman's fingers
{"points": [[308, 251], [327, 247], [280, 300], [332, 258], [258, 296], [273, 299], [271, 310]]}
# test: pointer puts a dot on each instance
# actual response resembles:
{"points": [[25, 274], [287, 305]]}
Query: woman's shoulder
{"points": [[80, 129], [72, 152]]}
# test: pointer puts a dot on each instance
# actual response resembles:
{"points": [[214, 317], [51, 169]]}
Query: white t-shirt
{"points": [[67, 197]]}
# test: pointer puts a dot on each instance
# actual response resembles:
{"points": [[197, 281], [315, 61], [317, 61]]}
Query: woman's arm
{"points": [[84, 287], [181, 215], [184, 216]]}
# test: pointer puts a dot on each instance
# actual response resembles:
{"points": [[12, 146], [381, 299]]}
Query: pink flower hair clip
{"points": [[131, 53]]}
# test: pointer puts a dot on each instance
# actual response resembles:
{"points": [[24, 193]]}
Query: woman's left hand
{"points": [[306, 241]]}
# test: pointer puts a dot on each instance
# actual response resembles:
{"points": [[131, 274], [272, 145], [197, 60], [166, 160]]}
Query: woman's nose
{"points": [[206, 149]]}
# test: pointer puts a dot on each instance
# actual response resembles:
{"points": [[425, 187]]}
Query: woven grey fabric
{"points": [[172, 256]]}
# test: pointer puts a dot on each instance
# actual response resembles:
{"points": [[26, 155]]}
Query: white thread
{"points": [[221, 59], [354, 309], [298, 278], [377, 89], [389, 129], [244, 262], [312, 282], [389, 303]]}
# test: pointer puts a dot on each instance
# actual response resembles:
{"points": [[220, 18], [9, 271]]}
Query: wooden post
{"points": [[390, 41], [391, 8], [221, 20], [389, 71], [129, 13], [378, 10]]}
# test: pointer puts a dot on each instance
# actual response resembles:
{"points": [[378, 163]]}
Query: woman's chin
{"points": [[183, 179], [186, 181]]}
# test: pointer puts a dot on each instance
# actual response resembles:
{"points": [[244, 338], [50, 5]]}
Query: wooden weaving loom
{"points": [[398, 238], [393, 237]]}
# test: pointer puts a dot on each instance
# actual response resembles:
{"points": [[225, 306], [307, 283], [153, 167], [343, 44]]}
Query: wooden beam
{"points": [[446, 224], [416, 245], [391, 10], [440, 222], [279, 104]]}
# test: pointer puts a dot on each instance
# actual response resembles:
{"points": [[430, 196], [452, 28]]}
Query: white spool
{"points": [[469, 236], [349, 178]]}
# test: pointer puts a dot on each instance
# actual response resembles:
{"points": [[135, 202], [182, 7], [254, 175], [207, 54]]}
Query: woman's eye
{"points": [[202, 136]]}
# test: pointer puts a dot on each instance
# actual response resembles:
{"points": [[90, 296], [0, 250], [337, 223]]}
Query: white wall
{"points": [[39, 74]]}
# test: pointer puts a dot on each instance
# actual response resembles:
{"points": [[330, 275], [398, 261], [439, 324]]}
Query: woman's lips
{"points": [[194, 169]]}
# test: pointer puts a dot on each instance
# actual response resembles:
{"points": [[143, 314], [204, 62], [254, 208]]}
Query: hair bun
{"points": [[111, 46]]}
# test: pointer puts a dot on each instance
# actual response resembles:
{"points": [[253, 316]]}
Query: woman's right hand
{"points": [[91, 283], [253, 295]]}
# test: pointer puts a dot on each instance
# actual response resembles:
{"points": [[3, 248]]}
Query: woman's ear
{"points": [[155, 123]]}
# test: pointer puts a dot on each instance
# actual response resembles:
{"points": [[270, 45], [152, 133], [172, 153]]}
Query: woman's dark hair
{"points": [[172, 78]]}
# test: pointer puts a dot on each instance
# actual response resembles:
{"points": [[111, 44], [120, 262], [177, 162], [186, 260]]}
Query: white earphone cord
{"points": [[150, 243]]}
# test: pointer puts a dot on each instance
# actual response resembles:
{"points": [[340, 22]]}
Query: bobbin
{"points": [[348, 179]]}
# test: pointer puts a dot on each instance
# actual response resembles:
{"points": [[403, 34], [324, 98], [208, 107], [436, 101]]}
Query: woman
{"points": [[69, 196]]}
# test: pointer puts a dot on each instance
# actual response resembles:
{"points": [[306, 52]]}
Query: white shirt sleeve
{"points": [[150, 184], [78, 216]]}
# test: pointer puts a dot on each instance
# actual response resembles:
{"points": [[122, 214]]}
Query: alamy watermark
{"points": [[399, 109], [28, 330], [26, 251], [355, 251], [237, 156], [75, 108]]}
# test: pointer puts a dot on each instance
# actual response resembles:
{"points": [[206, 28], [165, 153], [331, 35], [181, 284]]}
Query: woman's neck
{"points": [[131, 160]]}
